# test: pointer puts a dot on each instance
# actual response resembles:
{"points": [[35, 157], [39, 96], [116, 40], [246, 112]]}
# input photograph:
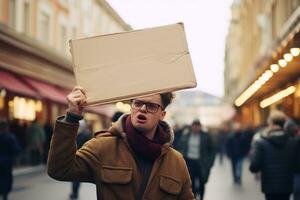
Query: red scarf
{"points": [[141, 145]]}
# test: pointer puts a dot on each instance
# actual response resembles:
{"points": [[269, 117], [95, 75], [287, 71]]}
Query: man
{"points": [[35, 139], [133, 160], [237, 150], [9, 148], [198, 151], [291, 128], [276, 157]]}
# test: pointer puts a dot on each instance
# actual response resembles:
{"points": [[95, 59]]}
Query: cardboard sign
{"points": [[132, 64]]}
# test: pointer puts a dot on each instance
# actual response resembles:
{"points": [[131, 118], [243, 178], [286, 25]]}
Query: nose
{"points": [[143, 108]]}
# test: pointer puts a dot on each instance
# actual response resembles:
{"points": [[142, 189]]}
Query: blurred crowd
{"points": [[272, 149]]}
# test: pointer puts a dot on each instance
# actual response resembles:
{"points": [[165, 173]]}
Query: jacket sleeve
{"points": [[256, 160], [186, 192], [65, 163]]}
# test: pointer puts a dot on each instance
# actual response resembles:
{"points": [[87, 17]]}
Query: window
{"points": [[45, 27], [24, 108], [26, 18], [295, 4], [64, 3], [12, 13], [63, 37], [74, 3], [86, 5]]}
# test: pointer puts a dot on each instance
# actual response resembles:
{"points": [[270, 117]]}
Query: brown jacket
{"points": [[108, 161]]}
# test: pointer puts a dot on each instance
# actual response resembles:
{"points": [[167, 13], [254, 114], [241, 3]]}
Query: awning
{"points": [[268, 80], [48, 91], [13, 84]]}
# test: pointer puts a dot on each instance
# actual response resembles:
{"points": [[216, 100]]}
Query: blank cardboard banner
{"points": [[123, 66]]}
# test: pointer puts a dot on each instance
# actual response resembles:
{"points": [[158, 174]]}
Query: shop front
{"points": [[277, 85]]}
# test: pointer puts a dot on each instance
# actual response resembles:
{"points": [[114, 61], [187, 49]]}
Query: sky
{"points": [[206, 24]]}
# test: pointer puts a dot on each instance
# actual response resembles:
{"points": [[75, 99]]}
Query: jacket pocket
{"points": [[116, 175], [170, 185]]}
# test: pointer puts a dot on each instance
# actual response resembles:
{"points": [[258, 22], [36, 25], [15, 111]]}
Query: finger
{"points": [[75, 101], [78, 88], [78, 94]]}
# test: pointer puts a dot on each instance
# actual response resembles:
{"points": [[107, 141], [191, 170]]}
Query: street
{"points": [[220, 187], [41, 186]]}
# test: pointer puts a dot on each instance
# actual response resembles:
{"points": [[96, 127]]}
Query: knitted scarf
{"points": [[141, 145]]}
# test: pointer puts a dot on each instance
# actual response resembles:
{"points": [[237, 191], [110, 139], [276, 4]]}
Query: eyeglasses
{"points": [[150, 107]]}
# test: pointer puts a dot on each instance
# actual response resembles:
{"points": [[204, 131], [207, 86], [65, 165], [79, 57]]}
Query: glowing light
{"points": [[282, 63], [126, 108], [2, 93], [288, 57], [274, 68], [119, 105], [278, 96], [267, 75], [23, 108], [38, 106], [295, 51]]}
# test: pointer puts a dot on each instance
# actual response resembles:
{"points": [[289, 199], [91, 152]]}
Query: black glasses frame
{"points": [[147, 104]]}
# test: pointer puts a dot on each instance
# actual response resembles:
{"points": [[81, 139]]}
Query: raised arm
{"points": [[64, 162]]}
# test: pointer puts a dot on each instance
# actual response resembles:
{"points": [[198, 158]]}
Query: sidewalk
{"points": [[26, 170], [220, 185]]}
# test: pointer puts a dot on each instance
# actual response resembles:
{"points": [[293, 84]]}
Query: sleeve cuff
{"points": [[73, 118]]}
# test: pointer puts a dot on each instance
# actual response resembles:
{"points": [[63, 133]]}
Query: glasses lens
{"points": [[137, 104], [151, 107]]}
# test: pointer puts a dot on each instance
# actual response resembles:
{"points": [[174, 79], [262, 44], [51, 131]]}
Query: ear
{"points": [[162, 115]]}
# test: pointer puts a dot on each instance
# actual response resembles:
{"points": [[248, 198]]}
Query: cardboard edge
{"points": [[131, 31], [117, 99]]}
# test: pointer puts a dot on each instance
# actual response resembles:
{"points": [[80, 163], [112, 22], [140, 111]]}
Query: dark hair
{"points": [[166, 98], [279, 122], [277, 118], [196, 122]]}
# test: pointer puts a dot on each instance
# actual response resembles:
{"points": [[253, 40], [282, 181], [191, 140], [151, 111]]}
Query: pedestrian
{"points": [[291, 129], [35, 139], [132, 160], [177, 136], [199, 153], [83, 136], [275, 156], [9, 148], [221, 141], [237, 149]]}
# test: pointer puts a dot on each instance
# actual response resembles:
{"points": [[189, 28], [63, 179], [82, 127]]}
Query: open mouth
{"points": [[141, 118]]}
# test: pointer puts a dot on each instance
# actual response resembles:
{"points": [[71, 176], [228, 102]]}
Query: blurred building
{"points": [[190, 105], [35, 63], [262, 59]]}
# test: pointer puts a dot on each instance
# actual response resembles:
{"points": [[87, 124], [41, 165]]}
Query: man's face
{"points": [[146, 112], [196, 128]]}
